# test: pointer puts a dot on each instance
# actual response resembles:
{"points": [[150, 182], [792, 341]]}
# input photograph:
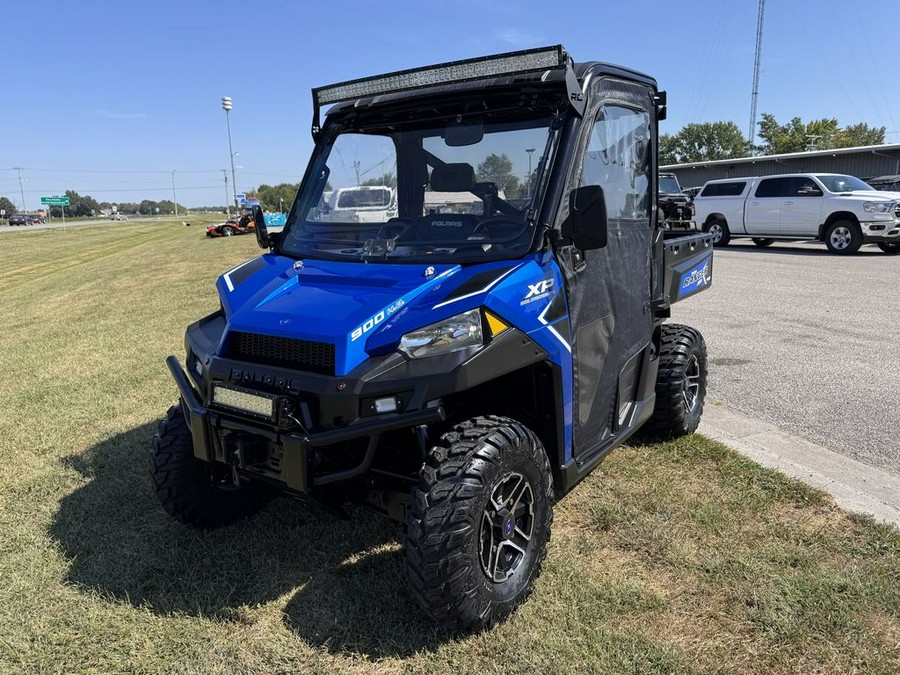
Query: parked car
{"points": [[24, 219], [842, 211], [231, 227], [118, 216]]}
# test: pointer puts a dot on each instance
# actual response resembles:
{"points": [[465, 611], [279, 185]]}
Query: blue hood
{"points": [[341, 303]]}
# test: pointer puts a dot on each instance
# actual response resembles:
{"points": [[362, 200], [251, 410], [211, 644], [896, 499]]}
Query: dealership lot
{"points": [[808, 341]]}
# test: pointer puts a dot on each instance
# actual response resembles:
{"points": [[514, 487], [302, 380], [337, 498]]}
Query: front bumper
{"points": [[209, 428], [880, 231]]}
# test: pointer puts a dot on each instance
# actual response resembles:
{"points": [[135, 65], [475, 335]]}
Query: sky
{"points": [[109, 98]]}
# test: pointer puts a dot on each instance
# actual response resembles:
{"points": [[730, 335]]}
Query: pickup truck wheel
{"points": [[762, 243], [718, 228], [890, 248], [190, 490], [680, 384], [843, 237], [478, 523]]}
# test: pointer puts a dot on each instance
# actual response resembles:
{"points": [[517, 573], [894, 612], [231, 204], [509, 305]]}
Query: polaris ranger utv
{"points": [[456, 368]]}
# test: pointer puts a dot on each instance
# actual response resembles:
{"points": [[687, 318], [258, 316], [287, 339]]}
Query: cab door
{"points": [[609, 287], [762, 214], [801, 211]]}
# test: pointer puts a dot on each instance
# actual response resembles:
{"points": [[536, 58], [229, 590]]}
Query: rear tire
{"points": [[843, 237], [680, 384], [479, 522], [762, 243], [718, 228], [185, 485], [890, 248]]}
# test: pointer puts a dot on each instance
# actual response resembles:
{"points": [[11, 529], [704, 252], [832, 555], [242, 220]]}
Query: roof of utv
{"points": [[352, 95]]}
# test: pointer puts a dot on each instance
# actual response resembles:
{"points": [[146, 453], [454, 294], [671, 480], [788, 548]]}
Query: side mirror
{"points": [[259, 225], [587, 225]]}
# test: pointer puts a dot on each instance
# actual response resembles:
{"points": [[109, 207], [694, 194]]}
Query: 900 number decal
{"points": [[359, 331]]}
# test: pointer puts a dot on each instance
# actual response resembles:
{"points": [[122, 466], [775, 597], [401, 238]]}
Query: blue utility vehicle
{"points": [[464, 358]]}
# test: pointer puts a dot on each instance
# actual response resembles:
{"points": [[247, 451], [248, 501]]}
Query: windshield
{"points": [[669, 185], [453, 192], [843, 183]]}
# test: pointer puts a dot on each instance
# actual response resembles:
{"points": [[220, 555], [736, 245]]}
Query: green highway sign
{"points": [[55, 201]]}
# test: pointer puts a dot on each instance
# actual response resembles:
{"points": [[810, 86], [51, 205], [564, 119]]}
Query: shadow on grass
{"points": [[344, 580]]}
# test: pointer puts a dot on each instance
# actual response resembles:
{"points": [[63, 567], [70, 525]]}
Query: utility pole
{"points": [[751, 136], [19, 170], [174, 196], [227, 106], [227, 204]]}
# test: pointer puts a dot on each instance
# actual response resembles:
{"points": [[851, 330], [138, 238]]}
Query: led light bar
{"points": [[241, 400], [512, 63]]}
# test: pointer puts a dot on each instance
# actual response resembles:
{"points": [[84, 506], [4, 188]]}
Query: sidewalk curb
{"points": [[855, 486]]}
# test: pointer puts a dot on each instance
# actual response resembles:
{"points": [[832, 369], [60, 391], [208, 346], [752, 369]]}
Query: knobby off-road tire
{"points": [[718, 228], [843, 237], [461, 568], [184, 485], [890, 248], [680, 384]]}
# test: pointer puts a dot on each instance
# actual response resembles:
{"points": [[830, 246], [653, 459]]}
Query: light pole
{"points": [[530, 152], [226, 106], [174, 196]]}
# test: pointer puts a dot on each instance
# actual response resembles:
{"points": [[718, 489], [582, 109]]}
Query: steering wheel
{"points": [[493, 220]]}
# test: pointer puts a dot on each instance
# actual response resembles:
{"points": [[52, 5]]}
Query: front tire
{"points": [[890, 248], [228, 231], [680, 384], [188, 488], [479, 522], [843, 237], [718, 228]]}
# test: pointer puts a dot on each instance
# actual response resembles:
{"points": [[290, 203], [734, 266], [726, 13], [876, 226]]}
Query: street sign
{"points": [[240, 198], [55, 201]]}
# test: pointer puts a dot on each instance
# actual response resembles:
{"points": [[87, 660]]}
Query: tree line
{"points": [[708, 141]]}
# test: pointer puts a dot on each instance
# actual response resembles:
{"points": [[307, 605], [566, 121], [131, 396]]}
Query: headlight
{"points": [[450, 335], [878, 207]]}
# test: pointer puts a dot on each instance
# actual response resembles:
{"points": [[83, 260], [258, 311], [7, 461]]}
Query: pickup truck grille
{"points": [[897, 211], [316, 357]]}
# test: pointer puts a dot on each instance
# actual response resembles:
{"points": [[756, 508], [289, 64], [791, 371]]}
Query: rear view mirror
{"points": [[587, 225], [458, 134], [259, 224]]}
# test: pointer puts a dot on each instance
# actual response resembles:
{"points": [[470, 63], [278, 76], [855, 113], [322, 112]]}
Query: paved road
{"points": [[809, 341], [57, 223]]}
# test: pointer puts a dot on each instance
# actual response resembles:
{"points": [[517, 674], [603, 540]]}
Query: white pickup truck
{"points": [[841, 211]]}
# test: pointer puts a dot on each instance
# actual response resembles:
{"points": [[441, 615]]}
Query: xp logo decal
{"points": [[538, 291], [696, 278]]}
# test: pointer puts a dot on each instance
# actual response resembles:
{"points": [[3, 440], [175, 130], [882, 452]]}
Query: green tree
{"points": [[8, 206], [821, 134], [389, 179], [498, 169], [273, 197], [79, 206], [703, 142]]}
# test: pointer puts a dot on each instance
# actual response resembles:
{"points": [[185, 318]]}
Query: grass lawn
{"points": [[680, 557]]}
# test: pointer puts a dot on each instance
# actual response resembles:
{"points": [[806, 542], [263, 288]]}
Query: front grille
{"points": [[897, 211], [316, 357]]}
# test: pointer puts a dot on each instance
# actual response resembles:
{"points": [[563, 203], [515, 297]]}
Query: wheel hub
{"points": [[691, 387], [507, 525], [840, 237]]}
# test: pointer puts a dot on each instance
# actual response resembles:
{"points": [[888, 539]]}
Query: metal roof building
{"points": [[864, 162]]}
